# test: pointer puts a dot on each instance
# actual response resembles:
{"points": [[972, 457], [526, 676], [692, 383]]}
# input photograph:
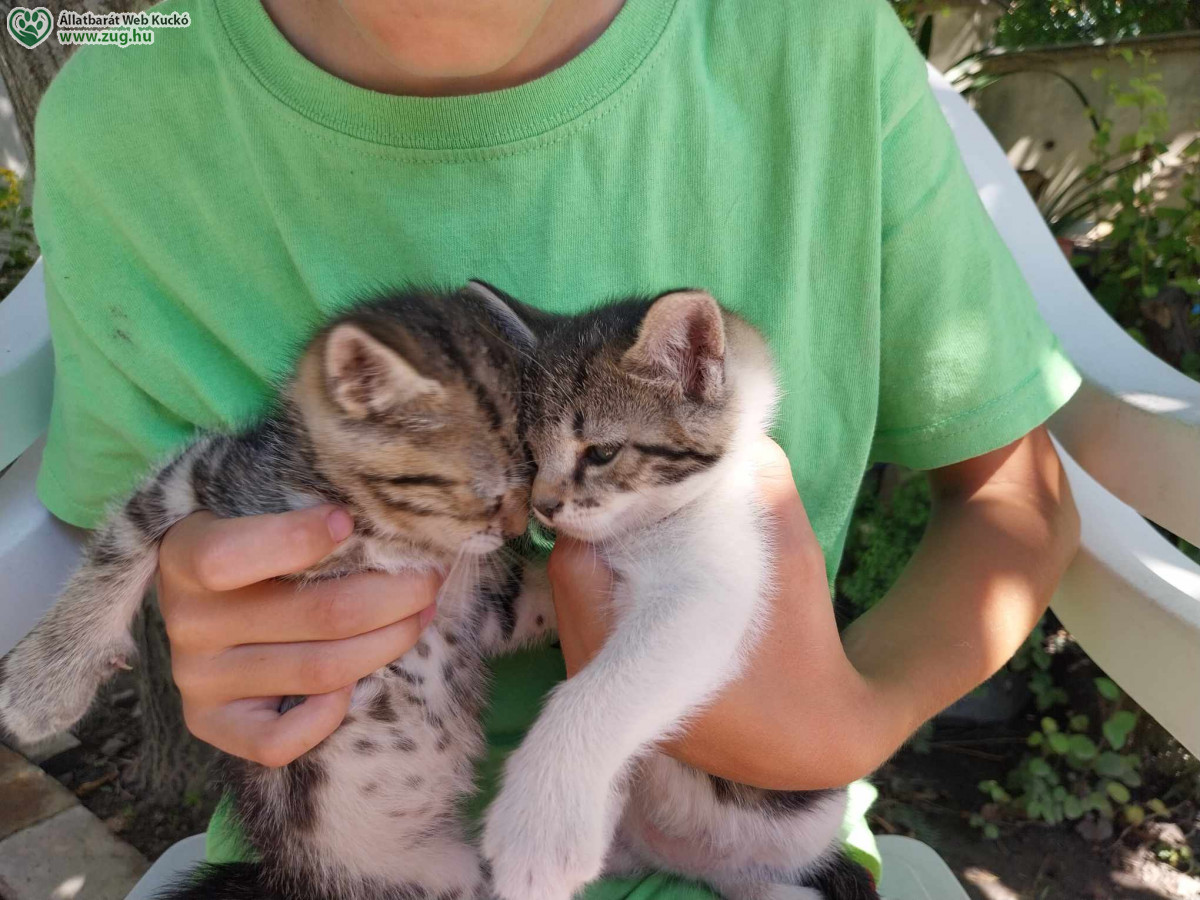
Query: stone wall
{"points": [[1041, 123]]}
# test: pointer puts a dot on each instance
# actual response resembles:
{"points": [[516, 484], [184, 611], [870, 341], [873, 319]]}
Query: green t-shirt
{"points": [[203, 200]]}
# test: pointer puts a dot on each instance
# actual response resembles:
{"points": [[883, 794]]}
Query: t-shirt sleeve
{"points": [[967, 365]]}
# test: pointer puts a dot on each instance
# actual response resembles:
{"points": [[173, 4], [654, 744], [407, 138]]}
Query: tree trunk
{"points": [[27, 73]]}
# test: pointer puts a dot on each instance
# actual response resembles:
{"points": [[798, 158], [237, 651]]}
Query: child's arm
{"points": [[811, 712], [1004, 529]]}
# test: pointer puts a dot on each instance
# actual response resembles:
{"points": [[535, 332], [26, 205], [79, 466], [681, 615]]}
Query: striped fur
{"points": [[642, 417], [403, 410]]}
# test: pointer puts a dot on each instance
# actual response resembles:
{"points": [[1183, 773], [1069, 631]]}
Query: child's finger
{"points": [[778, 489], [277, 612], [225, 554], [254, 729], [312, 667]]}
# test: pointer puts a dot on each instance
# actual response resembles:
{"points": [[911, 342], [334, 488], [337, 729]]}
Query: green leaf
{"points": [[1073, 808], [1080, 722], [1134, 815], [993, 789], [1108, 688], [1110, 765], [1117, 791], [1035, 739], [1049, 725], [1190, 364], [1117, 728], [991, 832], [1039, 768], [1131, 779], [1137, 335], [1082, 747], [1060, 743], [1158, 807]]}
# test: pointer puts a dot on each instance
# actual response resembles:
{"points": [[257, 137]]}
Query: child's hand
{"points": [[800, 716], [241, 641]]}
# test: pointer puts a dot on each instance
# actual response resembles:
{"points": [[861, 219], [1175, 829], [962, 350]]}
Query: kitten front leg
{"points": [[549, 829], [50, 678], [518, 606]]}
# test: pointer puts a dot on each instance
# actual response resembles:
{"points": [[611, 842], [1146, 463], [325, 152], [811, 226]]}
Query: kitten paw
{"points": [[543, 841], [45, 687]]}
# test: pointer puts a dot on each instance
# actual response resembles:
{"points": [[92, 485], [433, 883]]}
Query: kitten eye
{"points": [[598, 456]]}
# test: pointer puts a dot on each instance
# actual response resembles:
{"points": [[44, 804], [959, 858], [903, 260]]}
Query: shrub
{"points": [[18, 249], [1145, 270], [1039, 22]]}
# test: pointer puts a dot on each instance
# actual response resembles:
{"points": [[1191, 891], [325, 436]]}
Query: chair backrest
{"points": [[37, 552], [1132, 432], [26, 366]]}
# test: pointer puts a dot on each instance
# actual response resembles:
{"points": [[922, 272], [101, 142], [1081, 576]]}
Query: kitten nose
{"points": [[548, 508]]}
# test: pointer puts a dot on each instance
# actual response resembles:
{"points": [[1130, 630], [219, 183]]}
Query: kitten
{"points": [[642, 417], [402, 410]]}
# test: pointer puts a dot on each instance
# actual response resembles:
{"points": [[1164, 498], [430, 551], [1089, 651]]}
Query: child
{"points": [[203, 200]]}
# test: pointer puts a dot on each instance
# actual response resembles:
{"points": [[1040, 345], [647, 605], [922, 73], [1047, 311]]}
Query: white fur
{"points": [[674, 821], [689, 594]]}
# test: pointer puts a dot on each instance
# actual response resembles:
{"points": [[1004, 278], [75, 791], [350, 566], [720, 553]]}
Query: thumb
{"points": [[582, 588]]}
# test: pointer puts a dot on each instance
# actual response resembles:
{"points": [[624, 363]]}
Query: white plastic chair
{"points": [[1132, 432]]}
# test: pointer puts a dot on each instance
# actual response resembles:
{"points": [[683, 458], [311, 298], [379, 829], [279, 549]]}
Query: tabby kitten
{"points": [[402, 410], [643, 418]]}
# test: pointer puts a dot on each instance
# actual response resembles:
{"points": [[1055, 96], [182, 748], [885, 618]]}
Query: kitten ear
{"points": [[681, 346], [511, 325], [366, 377]]}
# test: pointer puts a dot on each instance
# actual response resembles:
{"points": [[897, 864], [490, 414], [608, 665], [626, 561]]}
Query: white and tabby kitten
{"points": [[403, 410], [642, 417]]}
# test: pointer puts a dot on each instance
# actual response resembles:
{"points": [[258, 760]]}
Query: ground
{"points": [[926, 795], [930, 795], [100, 773]]}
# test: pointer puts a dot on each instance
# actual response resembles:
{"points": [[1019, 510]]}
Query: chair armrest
{"points": [[1135, 423], [37, 551], [1133, 602], [26, 365]]}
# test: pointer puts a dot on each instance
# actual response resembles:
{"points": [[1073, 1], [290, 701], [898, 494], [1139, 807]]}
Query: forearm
{"points": [[980, 580], [814, 712]]}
